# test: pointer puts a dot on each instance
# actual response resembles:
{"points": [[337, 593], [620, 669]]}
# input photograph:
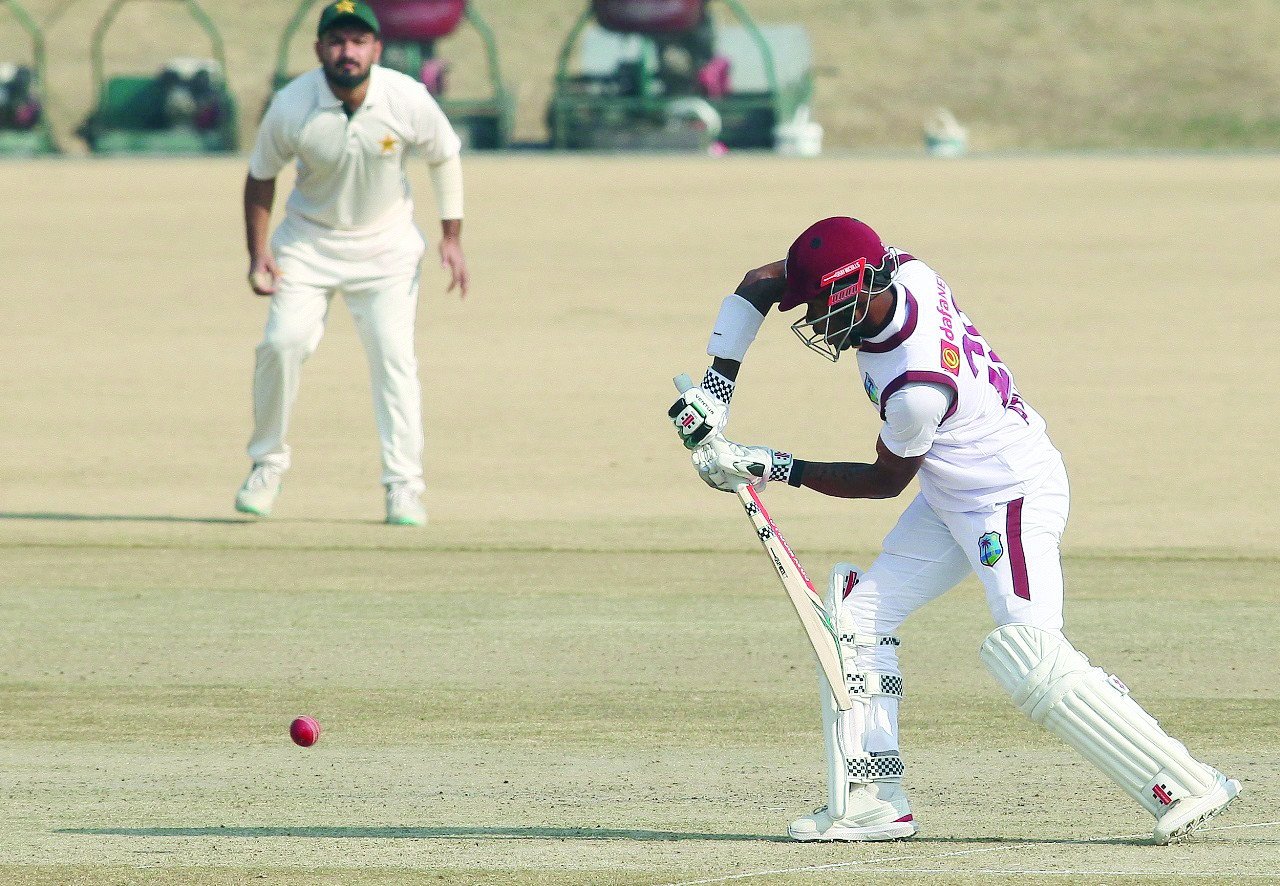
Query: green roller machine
{"points": [[24, 125], [640, 75], [184, 108], [411, 33]]}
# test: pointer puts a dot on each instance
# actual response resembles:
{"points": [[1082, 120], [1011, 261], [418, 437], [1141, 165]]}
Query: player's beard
{"points": [[344, 80]]}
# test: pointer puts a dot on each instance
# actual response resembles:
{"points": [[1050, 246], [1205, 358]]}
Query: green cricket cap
{"points": [[348, 11]]}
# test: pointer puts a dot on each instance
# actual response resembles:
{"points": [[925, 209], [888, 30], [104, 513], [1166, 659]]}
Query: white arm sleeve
{"points": [[446, 178], [912, 416], [735, 329]]}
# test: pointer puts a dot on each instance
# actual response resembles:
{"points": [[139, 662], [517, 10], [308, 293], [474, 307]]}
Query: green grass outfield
{"points": [[583, 671], [543, 713]]}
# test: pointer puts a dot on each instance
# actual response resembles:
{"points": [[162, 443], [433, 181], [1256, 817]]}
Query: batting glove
{"points": [[725, 465], [703, 411]]}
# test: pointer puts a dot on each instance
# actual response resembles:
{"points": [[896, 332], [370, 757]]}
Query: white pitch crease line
{"points": [[852, 864], [864, 863], [1239, 827]]}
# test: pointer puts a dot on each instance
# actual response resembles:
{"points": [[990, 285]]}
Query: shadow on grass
{"points": [[120, 518], [426, 833], [534, 833]]}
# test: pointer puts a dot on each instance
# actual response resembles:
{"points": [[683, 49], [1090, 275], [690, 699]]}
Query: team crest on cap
{"points": [[873, 393], [345, 6], [990, 548], [951, 358]]}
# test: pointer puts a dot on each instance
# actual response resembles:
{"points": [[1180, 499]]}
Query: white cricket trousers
{"points": [[378, 277], [1014, 549]]}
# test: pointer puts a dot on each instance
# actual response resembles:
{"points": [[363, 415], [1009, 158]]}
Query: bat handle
{"points": [[682, 382]]}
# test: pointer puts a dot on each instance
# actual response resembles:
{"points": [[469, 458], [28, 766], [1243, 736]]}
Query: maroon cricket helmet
{"points": [[828, 252]]}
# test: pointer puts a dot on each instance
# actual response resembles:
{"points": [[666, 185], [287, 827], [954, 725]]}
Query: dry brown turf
{"points": [[582, 671]]}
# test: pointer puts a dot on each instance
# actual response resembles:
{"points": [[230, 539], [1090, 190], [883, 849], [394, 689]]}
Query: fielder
{"points": [[348, 227], [993, 500]]}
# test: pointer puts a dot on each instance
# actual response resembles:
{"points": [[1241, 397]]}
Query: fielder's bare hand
{"points": [[264, 275], [453, 260]]}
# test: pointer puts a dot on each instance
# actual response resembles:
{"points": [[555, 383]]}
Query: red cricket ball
{"points": [[304, 731]]}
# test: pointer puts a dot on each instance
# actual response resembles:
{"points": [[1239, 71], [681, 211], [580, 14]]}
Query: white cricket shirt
{"points": [[990, 446], [351, 170]]}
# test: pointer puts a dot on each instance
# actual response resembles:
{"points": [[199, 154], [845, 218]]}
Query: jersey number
{"points": [[974, 346]]}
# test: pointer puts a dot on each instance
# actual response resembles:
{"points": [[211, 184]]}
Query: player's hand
{"points": [[264, 276], [697, 415], [725, 465], [452, 260]]}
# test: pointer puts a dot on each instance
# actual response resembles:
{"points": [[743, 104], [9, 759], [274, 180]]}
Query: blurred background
{"points": [[1014, 74]]}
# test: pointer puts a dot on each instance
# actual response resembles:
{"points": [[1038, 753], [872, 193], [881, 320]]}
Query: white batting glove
{"points": [[725, 465], [701, 412]]}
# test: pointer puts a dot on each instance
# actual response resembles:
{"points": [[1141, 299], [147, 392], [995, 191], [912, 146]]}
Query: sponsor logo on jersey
{"points": [[951, 358], [945, 318], [990, 549], [873, 393]]}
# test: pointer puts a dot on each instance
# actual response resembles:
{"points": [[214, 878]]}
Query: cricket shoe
{"points": [[878, 811], [259, 491], [404, 505], [1189, 813]]}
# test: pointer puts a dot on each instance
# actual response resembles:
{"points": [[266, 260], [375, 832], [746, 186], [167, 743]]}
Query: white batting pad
{"points": [[844, 732], [1054, 685]]}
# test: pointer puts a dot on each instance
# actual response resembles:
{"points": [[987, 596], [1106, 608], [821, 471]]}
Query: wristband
{"points": [[795, 476], [780, 470], [718, 386]]}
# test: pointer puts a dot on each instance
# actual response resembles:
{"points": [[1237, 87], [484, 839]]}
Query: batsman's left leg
{"points": [[865, 799]]}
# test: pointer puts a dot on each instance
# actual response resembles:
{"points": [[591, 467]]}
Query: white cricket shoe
{"points": [[404, 505], [259, 491], [878, 811], [1189, 813]]}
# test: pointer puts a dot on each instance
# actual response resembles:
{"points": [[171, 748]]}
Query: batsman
{"points": [[993, 500]]}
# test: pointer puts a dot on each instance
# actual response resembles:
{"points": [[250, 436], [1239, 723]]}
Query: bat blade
{"points": [[814, 618]]}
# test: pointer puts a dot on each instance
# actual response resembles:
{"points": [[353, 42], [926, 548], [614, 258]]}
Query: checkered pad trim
{"points": [[869, 640], [871, 683], [781, 470], [718, 386], [868, 767]]}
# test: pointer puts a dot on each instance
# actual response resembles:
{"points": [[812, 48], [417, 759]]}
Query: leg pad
{"points": [[1053, 684]]}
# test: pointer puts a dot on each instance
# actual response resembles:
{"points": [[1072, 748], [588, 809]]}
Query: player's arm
{"points": [[912, 417], [258, 198], [272, 150], [887, 477], [446, 180], [703, 411], [761, 288]]}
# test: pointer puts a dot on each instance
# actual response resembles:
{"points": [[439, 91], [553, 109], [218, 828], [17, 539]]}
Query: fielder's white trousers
{"points": [[378, 277], [1014, 549]]}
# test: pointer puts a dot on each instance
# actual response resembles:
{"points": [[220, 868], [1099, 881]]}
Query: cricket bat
{"points": [[808, 605]]}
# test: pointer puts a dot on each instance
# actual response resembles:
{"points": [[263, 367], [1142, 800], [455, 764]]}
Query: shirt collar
{"points": [[371, 98], [896, 322]]}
